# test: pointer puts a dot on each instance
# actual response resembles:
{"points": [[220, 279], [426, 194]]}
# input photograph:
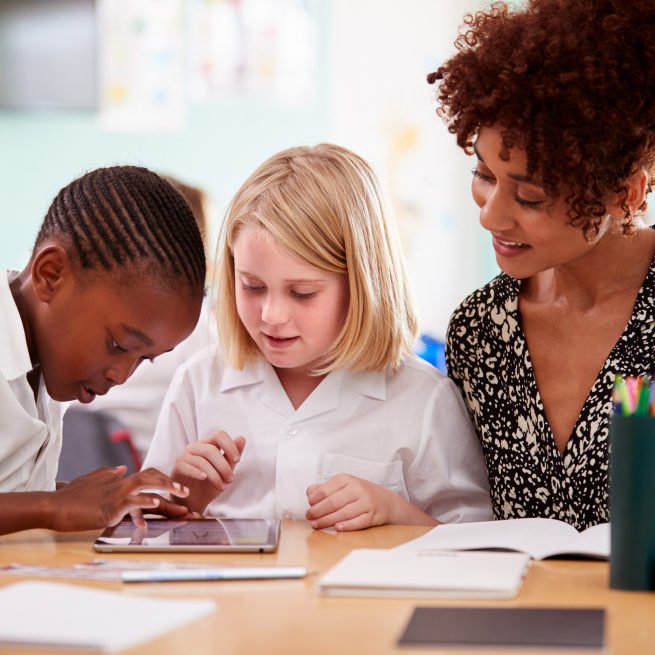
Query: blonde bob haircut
{"points": [[325, 206]]}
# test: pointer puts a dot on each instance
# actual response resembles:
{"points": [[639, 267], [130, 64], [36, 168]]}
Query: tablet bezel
{"points": [[271, 544]]}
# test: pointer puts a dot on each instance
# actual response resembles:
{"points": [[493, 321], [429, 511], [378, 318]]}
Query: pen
{"points": [[643, 399], [215, 573], [616, 395]]}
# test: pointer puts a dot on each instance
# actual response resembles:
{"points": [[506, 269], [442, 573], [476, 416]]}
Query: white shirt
{"points": [[407, 431], [30, 430]]}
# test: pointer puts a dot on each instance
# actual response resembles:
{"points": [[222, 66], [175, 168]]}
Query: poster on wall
{"points": [[253, 49], [141, 65], [156, 56]]}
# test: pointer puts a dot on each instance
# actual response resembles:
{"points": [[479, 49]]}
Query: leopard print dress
{"points": [[487, 357]]}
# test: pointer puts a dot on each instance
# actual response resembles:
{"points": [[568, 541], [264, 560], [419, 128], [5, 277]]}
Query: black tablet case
{"points": [[490, 626]]}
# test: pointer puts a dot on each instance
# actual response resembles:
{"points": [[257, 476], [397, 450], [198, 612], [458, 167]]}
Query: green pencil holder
{"points": [[632, 502]]}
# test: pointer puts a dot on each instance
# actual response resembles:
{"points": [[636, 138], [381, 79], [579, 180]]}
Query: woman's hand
{"points": [[350, 503], [206, 467], [105, 496]]}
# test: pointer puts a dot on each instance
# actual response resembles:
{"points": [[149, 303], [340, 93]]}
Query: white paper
{"points": [[539, 537], [393, 572], [69, 616]]}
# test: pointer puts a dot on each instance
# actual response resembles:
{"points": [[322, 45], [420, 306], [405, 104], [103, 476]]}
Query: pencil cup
{"points": [[632, 502]]}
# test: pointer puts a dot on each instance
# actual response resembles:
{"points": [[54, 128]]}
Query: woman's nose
{"points": [[495, 211]]}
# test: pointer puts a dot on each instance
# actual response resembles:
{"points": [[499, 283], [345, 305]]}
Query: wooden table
{"points": [[288, 617]]}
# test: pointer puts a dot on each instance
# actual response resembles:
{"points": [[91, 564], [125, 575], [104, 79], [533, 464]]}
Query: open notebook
{"points": [[539, 537]]}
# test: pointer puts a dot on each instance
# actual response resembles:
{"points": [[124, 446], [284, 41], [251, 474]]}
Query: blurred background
{"points": [[205, 90]]}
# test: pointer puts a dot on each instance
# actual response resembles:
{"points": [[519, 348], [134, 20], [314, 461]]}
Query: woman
{"points": [[557, 101]]}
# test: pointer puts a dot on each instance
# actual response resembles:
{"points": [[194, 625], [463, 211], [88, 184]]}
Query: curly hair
{"points": [[570, 81]]}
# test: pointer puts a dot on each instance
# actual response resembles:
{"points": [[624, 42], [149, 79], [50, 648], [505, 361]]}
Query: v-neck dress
{"points": [[487, 357]]}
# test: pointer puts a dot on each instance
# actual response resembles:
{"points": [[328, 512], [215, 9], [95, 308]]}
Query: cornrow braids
{"points": [[121, 216]]}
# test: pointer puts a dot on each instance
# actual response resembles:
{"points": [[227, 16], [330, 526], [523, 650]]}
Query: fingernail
{"points": [[155, 502], [177, 485], [315, 524]]}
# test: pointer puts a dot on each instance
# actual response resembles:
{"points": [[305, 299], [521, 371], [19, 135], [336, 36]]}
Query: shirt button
{"points": [[292, 431], [287, 515]]}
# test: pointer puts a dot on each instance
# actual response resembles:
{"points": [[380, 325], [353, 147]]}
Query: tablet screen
{"points": [[208, 534]]}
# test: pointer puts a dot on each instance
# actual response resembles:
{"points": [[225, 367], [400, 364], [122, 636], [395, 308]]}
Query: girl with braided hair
{"points": [[116, 277], [556, 100]]}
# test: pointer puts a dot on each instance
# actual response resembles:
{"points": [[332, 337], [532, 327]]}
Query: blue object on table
{"points": [[432, 350]]}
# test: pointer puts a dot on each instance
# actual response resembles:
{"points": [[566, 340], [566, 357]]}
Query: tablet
{"points": [[209, 535]]}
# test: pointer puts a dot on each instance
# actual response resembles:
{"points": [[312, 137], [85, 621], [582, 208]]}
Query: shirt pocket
{"points": [[386, 474]]}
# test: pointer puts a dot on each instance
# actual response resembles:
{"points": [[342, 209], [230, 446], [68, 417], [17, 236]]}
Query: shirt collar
{"points": [[14, 355], [366, 383], [251, 373]]}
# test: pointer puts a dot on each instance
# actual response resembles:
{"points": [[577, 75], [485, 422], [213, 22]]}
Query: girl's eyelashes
{"points": [[250, 287], [303, 296], [116, 347]]}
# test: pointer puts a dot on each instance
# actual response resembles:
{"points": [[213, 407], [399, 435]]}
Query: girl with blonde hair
{"points": [[340, 423]]}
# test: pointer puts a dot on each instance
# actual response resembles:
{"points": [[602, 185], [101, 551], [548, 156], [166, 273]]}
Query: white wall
{"points": [[382, 107], [370, 95]]}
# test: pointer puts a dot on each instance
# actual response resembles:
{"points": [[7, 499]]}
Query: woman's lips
{"points": [[508, 248]]}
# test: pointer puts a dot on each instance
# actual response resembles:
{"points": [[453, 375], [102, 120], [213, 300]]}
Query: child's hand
{"points": [[206, 467], [349, 503], [104, 497]]}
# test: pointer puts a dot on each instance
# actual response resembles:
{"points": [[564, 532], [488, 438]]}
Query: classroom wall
{"points": [[382, 106], [369, 93], [218, 146]]}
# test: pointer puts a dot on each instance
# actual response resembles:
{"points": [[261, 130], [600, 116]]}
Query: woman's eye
{"points": [[481, 176], [530, 204]]}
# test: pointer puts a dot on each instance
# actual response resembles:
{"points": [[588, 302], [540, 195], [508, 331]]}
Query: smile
{"points": [[511, 243], [508, 248]]}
